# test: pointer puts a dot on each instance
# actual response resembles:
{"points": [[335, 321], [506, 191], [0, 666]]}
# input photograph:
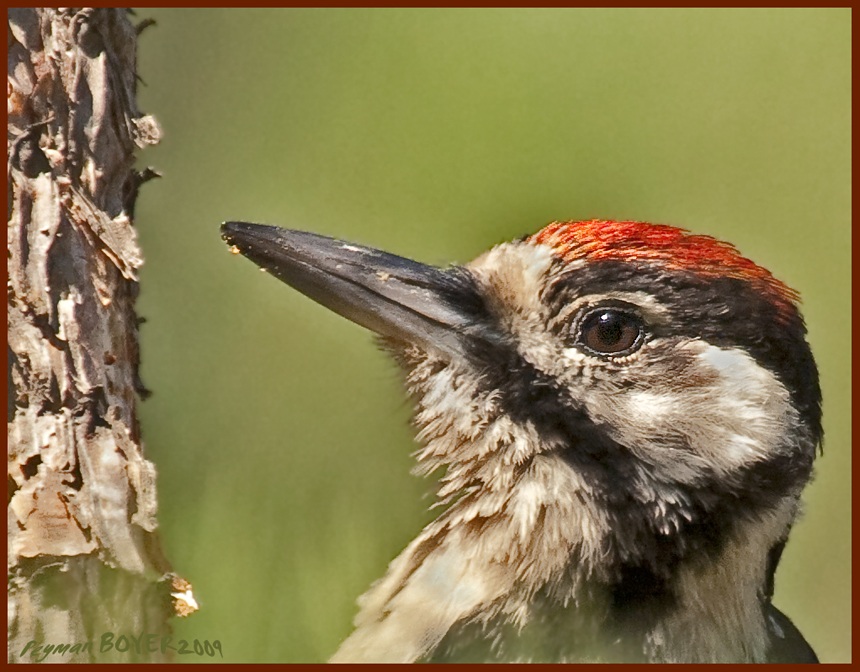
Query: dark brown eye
{"points": [[611, 331]]}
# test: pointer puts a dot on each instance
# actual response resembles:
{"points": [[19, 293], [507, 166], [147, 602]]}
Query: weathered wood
{"points": [[83, 550]]}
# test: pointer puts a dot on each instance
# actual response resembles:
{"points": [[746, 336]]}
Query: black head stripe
{"points": [[725, 312]]}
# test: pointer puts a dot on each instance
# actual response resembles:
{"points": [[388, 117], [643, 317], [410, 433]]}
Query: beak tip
{"points": [[229, 230], [243, 237]]}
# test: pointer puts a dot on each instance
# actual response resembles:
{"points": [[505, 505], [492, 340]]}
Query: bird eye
{"points": [[610, 331]]}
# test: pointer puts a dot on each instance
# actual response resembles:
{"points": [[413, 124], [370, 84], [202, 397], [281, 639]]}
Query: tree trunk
{"points": [[85, 567]]}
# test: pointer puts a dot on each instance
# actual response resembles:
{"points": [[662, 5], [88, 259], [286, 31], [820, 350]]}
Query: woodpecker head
{"points": [[617, 403]]}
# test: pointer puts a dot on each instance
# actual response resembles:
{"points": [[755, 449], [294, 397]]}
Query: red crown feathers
{"points": [[675, 248]]}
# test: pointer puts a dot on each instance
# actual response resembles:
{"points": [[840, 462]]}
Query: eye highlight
{"points": [[611, 331]]}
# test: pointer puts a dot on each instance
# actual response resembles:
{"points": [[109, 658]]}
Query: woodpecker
{"points": [[624, 414]]}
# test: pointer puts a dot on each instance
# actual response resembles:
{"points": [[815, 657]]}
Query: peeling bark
{"points": [[83, 551]]}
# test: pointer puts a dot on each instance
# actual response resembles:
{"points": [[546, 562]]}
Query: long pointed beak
{"points": [[396, 297]]}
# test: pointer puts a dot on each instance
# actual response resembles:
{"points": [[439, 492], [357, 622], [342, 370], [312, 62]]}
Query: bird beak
{"points": [[395, 297]]}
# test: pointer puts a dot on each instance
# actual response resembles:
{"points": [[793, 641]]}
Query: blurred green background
{"points": [[279, 431]]}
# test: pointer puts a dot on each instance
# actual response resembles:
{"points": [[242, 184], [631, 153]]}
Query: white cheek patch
{"points": [[731, 413], [743, 380], [750, 404], [650, 405], [733, 365]]}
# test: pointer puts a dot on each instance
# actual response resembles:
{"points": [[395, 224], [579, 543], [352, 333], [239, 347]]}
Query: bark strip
{"points": [[83, 551]]}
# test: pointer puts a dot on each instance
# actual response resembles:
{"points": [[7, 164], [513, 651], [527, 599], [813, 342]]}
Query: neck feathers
{"points": [[525, 543]]}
